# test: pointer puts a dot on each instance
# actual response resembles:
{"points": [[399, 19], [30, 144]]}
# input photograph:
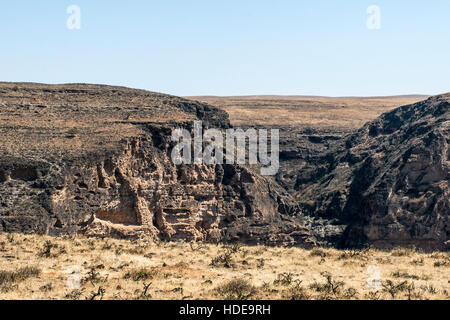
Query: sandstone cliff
{"points": [[96, 160]]}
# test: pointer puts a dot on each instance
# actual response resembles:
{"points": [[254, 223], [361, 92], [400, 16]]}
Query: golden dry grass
{"points": [[41, 267], [304, 111]]}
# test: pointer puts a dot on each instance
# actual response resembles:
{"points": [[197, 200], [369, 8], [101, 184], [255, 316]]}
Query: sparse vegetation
{"points": [[317, 252], [403, 252], [32, 267], [297, 292], [393, 288], [93, 277], [141, 274], [47, 250], [225, 258], [319, 112], [97, 295], [284, 279], [438, 264], [330, 287], [9, 279], [405, 275], [237, 289]]}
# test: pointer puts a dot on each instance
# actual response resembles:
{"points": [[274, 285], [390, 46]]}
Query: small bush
{"points": [[403, 252], [99, 294], [144, 294], [438, 264], [235, 248], [330, 287], [373, 295], [225, 259], [46, 250], [394, 288], [349, 254], [418, 262], [297, 292], [440, 255], [350, 293], [405, 275], [7, 277], [7, 287], [261, 262], [137, 251], [284, 279], [107, 246], [237, 289], [10, 238], [411, 292], [74, 294], [93, 277], [141, 274], [46, 288], [318, 253], [430, 289], [196, 247]]}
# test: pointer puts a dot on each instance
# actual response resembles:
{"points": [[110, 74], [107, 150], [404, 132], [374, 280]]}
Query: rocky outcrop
{"points": [[96, 160], [389, 182]]}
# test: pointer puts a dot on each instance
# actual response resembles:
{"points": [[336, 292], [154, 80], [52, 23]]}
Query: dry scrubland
{"points": [[38, 267], [304, 111]]}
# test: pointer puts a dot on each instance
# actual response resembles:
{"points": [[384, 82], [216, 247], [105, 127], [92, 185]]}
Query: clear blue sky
{"points": [[231, 47]]}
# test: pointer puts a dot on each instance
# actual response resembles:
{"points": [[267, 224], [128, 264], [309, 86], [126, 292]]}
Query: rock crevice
{"points": [[100, 165]]}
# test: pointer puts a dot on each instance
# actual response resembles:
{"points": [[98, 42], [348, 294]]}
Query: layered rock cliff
{"points": [[388, 184], [96, 160]]}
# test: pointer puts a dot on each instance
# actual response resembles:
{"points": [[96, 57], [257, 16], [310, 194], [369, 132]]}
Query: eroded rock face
{"points": [[96, 160], [389, 182]]}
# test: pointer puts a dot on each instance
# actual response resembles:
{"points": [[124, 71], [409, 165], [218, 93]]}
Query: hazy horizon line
{"points": [[265, 95]]}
